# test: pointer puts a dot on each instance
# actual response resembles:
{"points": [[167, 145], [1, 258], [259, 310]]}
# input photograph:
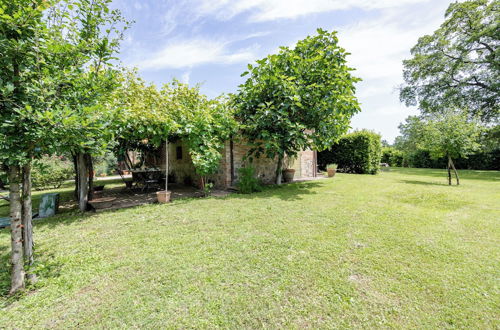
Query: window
{"points": [[178, 151]]}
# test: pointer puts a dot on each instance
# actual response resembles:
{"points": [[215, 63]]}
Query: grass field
{"points": [[66, 194], [399, 249]]}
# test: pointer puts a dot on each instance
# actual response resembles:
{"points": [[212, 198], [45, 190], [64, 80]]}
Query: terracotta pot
{"points": [[331, 172], [163, 196], [288, 174]]}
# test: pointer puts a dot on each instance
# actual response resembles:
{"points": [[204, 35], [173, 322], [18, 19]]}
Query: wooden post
{"points": [[166, 165], [231, 157]]}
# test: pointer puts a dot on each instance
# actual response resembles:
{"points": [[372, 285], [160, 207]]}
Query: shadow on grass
{"points": [[441, 173], [287, 192], [426, 183]]}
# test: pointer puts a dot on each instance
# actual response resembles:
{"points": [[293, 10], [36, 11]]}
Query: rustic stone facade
{"points": [[182, 170]]}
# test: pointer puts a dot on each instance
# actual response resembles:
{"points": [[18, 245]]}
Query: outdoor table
{"points": [[147, 177]]}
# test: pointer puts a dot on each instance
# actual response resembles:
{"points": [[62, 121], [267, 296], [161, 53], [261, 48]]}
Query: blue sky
{"points": [[211, 41]]}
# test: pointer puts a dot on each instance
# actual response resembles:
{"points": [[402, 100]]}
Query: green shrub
{"points": [[105, 164], [359, 152], [392, 156], [51, 172], [247, 182], [331, 166]]}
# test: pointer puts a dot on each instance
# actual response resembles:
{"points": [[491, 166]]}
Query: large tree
{"points": [[24, 93], [458, 66], [51, 52], [298, 98]]}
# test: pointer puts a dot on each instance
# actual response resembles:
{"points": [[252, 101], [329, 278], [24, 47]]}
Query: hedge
{"points": [[478, 161], [359, 152], [51, 172], [393, 157]]}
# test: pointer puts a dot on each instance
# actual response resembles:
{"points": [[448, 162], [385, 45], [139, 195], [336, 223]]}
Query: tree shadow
{"points": [[426, 183], [491, 176], [287, 192]]}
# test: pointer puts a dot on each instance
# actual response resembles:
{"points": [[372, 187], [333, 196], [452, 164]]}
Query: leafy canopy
{"points": [[145, 113], [301, 97], [458, 65], [450, 133], [56, 71]]}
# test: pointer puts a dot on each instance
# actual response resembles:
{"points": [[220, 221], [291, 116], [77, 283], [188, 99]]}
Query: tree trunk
{"points": [[454, 170], [27, 218], [130, 165], [279, 170], [83, 176], [449, 170], [75, 166], [90, 167], [16, 258]]}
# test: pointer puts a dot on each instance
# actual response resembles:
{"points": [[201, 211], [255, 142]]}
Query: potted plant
{"points": [[288, 174], [163, 196], [331, 169]]}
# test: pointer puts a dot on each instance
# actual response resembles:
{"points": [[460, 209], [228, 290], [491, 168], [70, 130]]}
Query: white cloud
{"points": [[268, 10], [378, 47], [193, 52]]}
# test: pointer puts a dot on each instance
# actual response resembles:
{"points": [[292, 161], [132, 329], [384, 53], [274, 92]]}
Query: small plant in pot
{"points": [[331, 169]]}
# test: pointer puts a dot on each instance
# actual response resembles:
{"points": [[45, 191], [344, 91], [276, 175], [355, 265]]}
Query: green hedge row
{"points": [[478, 161], [359, 152], [393, 157]]}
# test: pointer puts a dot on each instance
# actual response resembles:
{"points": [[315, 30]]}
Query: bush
{"points": [[51, 172], [421, 158], [105, 164], [392, 156], [247, 182], [359, 152]]}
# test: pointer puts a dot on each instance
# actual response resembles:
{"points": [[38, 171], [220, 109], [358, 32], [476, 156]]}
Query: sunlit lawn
{"points": [[399, 249], [66, 193]]}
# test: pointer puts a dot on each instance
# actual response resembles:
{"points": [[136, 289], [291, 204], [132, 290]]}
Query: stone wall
{"points": [[265, 168]]}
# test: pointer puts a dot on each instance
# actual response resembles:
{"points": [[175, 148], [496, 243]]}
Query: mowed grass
{"points": [[66, 195], [399, 249]]}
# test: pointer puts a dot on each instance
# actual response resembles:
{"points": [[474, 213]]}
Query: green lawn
{"points": [[66, 194], [399, 249]]}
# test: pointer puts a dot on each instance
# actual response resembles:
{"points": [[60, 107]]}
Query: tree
{"points": [[458, 65], [452, 135], [49, 50], [299, 98], [23, 92], [87, 36]]}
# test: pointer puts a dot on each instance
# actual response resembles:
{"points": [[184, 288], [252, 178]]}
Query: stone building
{"points": [[181, 168]]}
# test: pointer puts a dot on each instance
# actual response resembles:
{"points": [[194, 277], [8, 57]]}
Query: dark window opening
{"points": [[179, 152]]}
